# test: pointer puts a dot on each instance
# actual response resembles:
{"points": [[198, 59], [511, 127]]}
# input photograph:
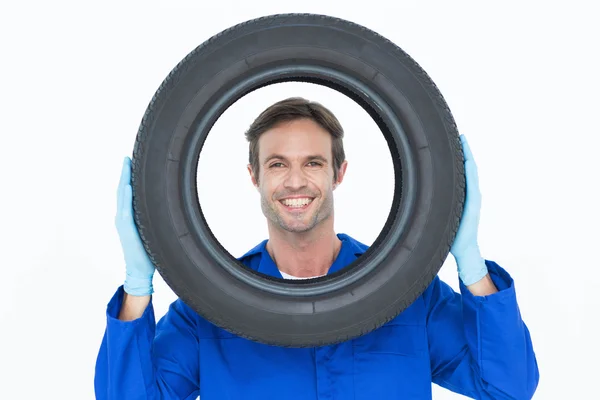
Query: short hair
{"points": [[291, 109]]}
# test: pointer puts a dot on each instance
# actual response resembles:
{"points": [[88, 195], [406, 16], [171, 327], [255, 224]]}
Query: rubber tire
{"points": [[429, 180]]}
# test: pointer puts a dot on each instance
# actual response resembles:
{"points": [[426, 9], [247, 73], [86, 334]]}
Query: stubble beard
{"points": [[275, 215]]}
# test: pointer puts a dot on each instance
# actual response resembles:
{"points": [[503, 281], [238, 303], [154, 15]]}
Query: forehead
{"points": [[295, 139]]}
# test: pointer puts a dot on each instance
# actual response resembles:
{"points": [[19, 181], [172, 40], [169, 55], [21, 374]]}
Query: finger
{"points": [[472, 175], [125, 172], [466, 149], [127, 206], [124, 180]]}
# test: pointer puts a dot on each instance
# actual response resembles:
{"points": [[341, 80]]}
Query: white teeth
{"points": [[296, 202]]}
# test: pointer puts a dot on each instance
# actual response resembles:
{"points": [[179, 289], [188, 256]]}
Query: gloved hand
{"points": [[139, 267], [465, 249]]}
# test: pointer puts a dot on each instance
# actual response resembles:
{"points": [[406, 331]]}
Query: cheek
{"points": [[268, 186], [323, 180]]}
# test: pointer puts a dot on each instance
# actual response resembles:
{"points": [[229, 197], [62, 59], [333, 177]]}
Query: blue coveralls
{"points": [[476, 346]]}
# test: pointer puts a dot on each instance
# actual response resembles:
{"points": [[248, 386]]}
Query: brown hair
{"points": [[291, 109]]}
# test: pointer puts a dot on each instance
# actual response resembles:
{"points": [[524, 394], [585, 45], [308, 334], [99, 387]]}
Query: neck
{"points": [[305, 254]]}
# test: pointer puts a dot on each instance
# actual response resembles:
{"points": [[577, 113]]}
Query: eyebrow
{"points": [[280, 157]]}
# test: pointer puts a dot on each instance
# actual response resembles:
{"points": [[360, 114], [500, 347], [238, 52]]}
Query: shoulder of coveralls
{"points": [[357, 247], [251, 258]]}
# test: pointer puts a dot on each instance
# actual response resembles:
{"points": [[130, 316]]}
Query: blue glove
{"points": [[139, 267], [465, 249]]}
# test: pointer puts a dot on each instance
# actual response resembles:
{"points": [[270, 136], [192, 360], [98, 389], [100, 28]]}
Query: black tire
{"points": [[423, 141]]}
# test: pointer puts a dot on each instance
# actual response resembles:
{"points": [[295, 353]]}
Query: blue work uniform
{"points": [[475, 346]]}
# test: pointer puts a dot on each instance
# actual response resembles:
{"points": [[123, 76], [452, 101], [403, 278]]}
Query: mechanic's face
{"points": [[296, 175]]}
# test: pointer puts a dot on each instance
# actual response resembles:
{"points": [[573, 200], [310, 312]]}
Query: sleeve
{"points": [[141, 360], [479, 345]]}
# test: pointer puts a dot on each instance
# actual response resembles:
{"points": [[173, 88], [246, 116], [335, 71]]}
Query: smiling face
{"points": [[296, 176]]}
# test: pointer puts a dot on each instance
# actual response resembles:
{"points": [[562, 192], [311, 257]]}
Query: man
{"points": [[474, 343]]}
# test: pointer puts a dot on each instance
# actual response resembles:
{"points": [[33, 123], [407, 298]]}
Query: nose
{"points": [[295, 178]]}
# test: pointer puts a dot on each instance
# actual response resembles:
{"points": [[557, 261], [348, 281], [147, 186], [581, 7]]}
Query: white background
{"points": [[521, 79]]}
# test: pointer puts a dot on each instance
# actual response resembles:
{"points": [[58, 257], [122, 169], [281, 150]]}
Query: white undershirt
{"points": [[287, 276]]}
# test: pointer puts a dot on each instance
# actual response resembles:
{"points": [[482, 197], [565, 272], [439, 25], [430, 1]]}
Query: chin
{"points": [[306, 224], [296, 228], [292, 225]]}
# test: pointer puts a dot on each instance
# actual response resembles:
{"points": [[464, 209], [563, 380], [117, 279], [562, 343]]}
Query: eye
{"points": [[276, 165], [314, 164]]}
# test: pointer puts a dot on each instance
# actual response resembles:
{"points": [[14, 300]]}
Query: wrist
{"points": [[471, 266], [133, 307], [138, 286]]}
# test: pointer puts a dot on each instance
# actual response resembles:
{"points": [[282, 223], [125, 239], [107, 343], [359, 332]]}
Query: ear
{"points": [[341, 173], [252, 177]]}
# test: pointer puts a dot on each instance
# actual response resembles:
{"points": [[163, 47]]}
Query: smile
{"points": [[299, 202]]}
